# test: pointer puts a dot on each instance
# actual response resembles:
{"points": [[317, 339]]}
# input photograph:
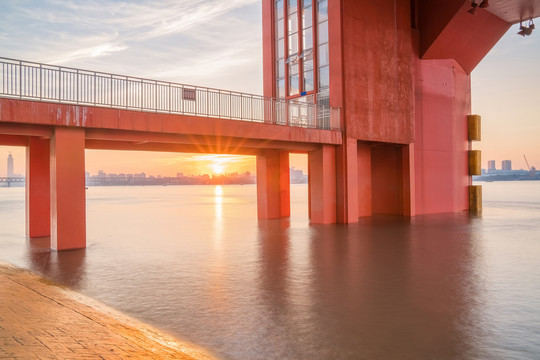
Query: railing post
{"points": [[170, 97], [111, 88], [77, 89], [40, 82], [20, 79], [197, 102], [127, 92], [94, 86], [59, 84]]}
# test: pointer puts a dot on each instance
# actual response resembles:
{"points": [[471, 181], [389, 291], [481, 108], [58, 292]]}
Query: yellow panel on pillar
{"points": [[474, 127], [68, 198], [475, 199], [475, 162]]}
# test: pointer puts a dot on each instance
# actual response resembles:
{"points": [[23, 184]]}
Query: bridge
{"points": [[12, 179], [397, 139], [58, 112]]}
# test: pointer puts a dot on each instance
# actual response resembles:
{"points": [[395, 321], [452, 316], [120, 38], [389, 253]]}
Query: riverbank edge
{"points": [[23, 292]]}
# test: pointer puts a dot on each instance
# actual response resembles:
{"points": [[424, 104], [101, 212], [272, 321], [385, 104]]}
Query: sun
{"points": [[218, 168]]}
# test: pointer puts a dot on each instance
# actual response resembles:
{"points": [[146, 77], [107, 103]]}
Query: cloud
{"points": [[203, 42], [92, 51]]}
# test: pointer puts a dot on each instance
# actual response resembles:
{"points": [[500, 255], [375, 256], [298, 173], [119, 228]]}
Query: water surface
{"points": [[195, 261]]}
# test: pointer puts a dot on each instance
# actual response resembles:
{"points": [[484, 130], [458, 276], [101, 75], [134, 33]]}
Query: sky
{"points": [[218, 44]]}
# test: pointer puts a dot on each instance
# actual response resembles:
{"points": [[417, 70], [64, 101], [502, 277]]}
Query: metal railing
{"points": [[51, 83]]}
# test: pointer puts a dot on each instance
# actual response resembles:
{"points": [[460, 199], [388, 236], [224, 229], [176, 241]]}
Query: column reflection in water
{"points": [[388, 289], [197, 263], [65, 267]]}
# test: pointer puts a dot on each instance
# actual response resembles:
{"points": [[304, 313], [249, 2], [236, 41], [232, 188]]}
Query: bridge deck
{"points": [[42, 82], [122, 112]]}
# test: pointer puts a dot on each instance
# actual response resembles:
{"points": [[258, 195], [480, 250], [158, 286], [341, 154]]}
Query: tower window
{"points": [[301, 32]]}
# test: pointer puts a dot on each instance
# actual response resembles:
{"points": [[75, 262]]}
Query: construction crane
{"points": [[526, 162], [532, 169]]}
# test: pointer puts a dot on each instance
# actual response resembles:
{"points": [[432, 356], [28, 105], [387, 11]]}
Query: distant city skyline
{"points": [[219, 44], [207, 165]]}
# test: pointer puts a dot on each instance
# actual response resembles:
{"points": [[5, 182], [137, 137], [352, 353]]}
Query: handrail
{"points": [[66, 85]]}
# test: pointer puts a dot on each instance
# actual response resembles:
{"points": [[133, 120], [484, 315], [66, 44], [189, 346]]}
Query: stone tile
{"points": [[41, 320]]}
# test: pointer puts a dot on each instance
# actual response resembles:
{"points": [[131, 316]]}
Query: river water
{"points": [[195, 261]]}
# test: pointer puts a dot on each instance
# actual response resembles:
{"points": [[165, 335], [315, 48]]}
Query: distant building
{"points": [[507, 164], [491, 165], [297, 176], [10, 166]]}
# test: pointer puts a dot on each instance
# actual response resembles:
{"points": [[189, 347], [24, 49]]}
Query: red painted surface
{"points": [[133, 140], [52, 114], [364, 180], [68, 198], [387, 180], [268, 48], [322, 185], [377, 70], [13, 140], [464, 37], [38, 189], [408, 180], [347, 182], [14, 129], [441, 169], [335, 49], [273, 189], [433, 17]]}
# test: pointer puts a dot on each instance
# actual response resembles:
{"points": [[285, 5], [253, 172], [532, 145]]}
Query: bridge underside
{"points": [[57, 135]]}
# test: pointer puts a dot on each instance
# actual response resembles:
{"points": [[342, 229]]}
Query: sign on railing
{"points": [[35, 81]]}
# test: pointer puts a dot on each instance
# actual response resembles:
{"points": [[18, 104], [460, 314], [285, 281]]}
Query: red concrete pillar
{"points": [[364, 180], [68, 198], [322, 185], [409, 186], [38, 200], [441, 145], [387, 177], [273, 185], [347, 181]]}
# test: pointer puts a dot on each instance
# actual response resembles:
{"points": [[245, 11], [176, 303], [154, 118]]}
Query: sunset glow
{"points": [[218, 168], [157, 163]]}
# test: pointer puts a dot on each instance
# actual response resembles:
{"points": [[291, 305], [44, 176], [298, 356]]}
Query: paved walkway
{"points": [[41, 320]]}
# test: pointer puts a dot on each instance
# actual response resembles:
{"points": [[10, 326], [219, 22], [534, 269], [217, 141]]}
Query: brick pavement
{"points": [[42, 320]]}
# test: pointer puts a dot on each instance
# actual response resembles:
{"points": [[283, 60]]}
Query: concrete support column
{"points": [[364, 180], [273, 185], [347, 181], [322, 185], [68, 198], [38, 200], [409, 184]]}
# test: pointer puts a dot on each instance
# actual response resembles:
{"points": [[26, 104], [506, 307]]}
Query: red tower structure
{"points": [[400, 72]]}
